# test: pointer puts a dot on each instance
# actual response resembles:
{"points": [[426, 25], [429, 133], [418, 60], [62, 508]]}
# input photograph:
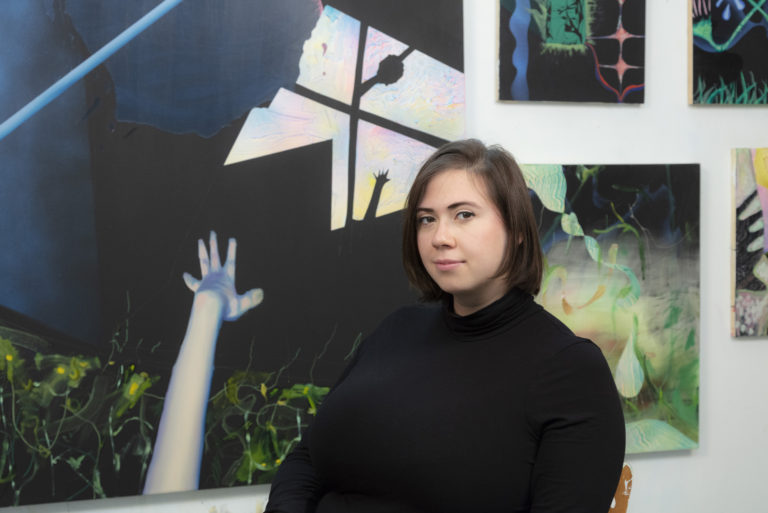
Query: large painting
{"points": [[730, 41], [749, 298], [572, 50], [209, 211], [622, 251]]}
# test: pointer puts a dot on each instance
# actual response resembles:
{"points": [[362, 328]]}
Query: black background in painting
{"points": [[747, 56], [434, 28], [318, 284]]}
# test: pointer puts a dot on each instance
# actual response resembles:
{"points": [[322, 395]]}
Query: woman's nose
{"points": [[443, 235]]}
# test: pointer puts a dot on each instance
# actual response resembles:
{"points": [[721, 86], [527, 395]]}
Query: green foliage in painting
{"points": [[744, 91], [70, 417], [252, 424], [82, 426]]}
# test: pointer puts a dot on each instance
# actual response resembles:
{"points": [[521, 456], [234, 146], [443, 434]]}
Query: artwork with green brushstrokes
{"points": [[621, 245], [730, 41]]}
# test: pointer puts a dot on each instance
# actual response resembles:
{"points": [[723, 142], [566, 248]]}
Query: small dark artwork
{"points": [[730, 41], [572, 50], [211, 211]]}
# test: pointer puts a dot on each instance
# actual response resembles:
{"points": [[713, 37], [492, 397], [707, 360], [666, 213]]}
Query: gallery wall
{"points": [[725, 472]]}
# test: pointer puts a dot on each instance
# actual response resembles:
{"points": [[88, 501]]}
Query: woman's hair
{"points": [[502, 177]]}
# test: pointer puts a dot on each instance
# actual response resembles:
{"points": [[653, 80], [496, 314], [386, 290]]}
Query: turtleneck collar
{"points": [[500, 315]]}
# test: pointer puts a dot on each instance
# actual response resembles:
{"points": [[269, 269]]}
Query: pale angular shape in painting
{"points": [[429, 97], [622, 255], [327, 64], [378, 46], [384, 151], [729, 43], [292, 121], [572, 50], [749, 298]]}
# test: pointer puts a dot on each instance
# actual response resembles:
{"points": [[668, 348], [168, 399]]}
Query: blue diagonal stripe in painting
{"points": [[50, 94]]}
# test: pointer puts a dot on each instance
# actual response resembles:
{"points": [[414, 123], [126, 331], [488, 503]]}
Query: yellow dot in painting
{"points": [[9, 357], [61, 370], [133, 388]]}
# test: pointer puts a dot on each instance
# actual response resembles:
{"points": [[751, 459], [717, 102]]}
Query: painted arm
{"points": [[178, 449]]}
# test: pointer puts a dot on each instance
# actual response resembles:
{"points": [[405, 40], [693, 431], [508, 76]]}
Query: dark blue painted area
{"points": [[205, 63], [518, 26], [48, 265]]}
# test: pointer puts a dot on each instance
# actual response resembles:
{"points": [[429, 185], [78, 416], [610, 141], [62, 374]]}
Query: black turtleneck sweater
{"points": [[504, 410]]}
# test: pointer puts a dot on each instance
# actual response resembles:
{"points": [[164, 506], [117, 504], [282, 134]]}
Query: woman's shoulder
{"points": [[561, 350], [552, 335]]}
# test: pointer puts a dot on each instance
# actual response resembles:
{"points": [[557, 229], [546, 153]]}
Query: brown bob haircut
{"points": [[506, 189]]}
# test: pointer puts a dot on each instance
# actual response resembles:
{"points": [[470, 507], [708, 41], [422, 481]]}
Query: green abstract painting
{"points": [[621, 245]]}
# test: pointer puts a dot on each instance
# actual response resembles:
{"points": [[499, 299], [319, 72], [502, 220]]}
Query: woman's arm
{"points": [[295, 488], [577, 411]]}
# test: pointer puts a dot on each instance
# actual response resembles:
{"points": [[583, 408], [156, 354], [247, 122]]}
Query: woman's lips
{"points": [[447, 265]]}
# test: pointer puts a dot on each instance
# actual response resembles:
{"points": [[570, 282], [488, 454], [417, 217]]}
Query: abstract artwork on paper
{"points": [[622, 251], [295, 128], [729, 44], [749, 297], [572, 50]]}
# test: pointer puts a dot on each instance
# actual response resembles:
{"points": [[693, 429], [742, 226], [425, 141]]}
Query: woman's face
{"points": [[462, 240]]}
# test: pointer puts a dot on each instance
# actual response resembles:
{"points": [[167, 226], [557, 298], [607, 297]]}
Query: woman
{"points": [[482, 402]]}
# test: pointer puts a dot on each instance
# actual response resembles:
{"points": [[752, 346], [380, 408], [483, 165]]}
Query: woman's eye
{"points": [[465, 215], [425, 219]]}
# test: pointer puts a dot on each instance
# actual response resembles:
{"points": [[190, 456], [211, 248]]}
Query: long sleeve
{"points": [[576, 412], [295, 488]]}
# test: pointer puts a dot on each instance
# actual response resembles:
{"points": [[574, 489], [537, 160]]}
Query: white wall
{"points": [[726, 473]]}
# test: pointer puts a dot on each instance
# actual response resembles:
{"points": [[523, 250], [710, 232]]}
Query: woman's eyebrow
{"points": [[452, 206], [459, 204]]}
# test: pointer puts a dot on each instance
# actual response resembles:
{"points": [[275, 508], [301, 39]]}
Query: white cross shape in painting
{"points": [[358, 86]]}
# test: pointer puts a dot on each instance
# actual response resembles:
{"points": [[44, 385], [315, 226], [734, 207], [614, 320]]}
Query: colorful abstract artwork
{"points": [[622, 268], [749, 297], [730, 41], [201, 214], [572, 50]]}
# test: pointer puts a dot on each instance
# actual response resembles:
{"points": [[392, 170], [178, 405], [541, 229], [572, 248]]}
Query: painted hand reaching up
{"points": [[221, 280], [178, 449]]}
